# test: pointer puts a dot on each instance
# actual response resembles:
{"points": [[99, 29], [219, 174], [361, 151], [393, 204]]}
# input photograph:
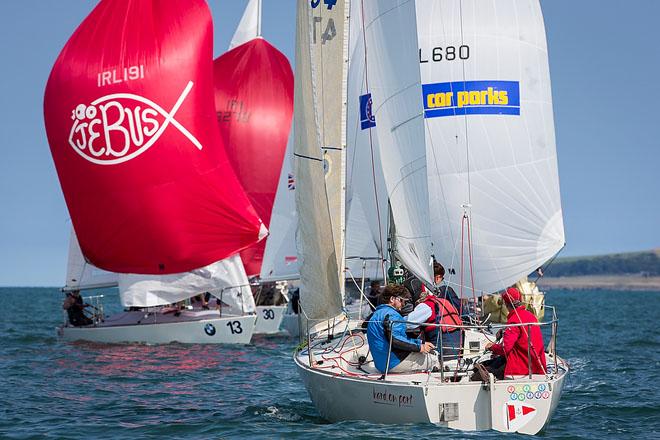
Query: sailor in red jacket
{"points": [[514, 346]]}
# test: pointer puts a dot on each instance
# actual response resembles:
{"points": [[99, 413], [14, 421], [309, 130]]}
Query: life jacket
{"points": [[448, 314]]}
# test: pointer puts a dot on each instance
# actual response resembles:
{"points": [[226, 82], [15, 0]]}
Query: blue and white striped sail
{"points": [[394, 83], [490, 138]]}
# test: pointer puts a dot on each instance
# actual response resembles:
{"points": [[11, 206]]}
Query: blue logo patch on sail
{"points": [[367, 118], [471, 98]]}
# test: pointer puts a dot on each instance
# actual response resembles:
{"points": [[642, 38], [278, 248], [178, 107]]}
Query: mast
{"points": [[344, 113]]}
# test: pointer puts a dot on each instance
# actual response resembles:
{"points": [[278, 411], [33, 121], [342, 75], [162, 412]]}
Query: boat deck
{"points": [[144, 317], [349, 356]]}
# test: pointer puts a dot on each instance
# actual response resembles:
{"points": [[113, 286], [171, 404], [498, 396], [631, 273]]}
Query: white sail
{"points": [[249, 27], [82, 275], [490, 138], [361, 249], [225, 279], [394, 83], [363, 170], [280, 256], [280, 260], [319, 60]]}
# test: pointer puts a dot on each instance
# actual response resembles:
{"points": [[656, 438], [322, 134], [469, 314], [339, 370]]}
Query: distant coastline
{"points": [[623, 271], [609, 282]]}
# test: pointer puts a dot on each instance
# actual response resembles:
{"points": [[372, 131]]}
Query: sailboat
{"points": [[147, 317], [151, 193], [254, 105], [489, 87]]}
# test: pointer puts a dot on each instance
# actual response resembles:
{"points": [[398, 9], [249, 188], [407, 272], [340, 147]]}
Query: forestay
{"points": [[394, 82], [490, 138], [224, 279], [318, 111]]}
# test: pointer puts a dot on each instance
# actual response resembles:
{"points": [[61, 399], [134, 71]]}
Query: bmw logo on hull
{"points": [[209, 329]]}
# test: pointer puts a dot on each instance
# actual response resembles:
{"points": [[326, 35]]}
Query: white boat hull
{"points": [[424, 398], [269, 319], [221, 330], [291, 324]]}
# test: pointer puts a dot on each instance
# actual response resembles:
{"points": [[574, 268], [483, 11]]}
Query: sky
{"points": [[605, 71]]}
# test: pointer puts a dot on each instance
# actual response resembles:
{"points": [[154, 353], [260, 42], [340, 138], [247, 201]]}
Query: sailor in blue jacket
{"points": [[407, 354]]}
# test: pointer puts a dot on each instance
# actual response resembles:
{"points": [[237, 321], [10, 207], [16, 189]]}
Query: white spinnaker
{"points": [[280, 256], [249, 27], [82, 275], [318, 247], [394, 81], [500, 169], [225, 279], [364, 173]]}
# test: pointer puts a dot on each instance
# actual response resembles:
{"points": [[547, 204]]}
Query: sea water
{"points": [[53, 389]]}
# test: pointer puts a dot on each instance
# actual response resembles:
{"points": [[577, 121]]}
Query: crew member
{"points": [[434, 309], [407, 354], [74, 306], [512, 352]]}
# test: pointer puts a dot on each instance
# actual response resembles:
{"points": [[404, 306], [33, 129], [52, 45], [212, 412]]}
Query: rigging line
{"points": [[371, 147], [462, 271], [302, 156], [465, 117], [548, 264], [469, 229]]}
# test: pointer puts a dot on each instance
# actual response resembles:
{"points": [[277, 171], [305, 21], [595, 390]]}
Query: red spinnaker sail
{"points": [[254, 105], [132, 129]]}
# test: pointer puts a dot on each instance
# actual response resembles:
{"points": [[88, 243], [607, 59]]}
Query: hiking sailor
{"points": [[386, 322]]}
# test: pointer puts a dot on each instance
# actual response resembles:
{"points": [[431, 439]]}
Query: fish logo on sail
{"points": [[119, 127], [367, 118], [471, 98]]}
